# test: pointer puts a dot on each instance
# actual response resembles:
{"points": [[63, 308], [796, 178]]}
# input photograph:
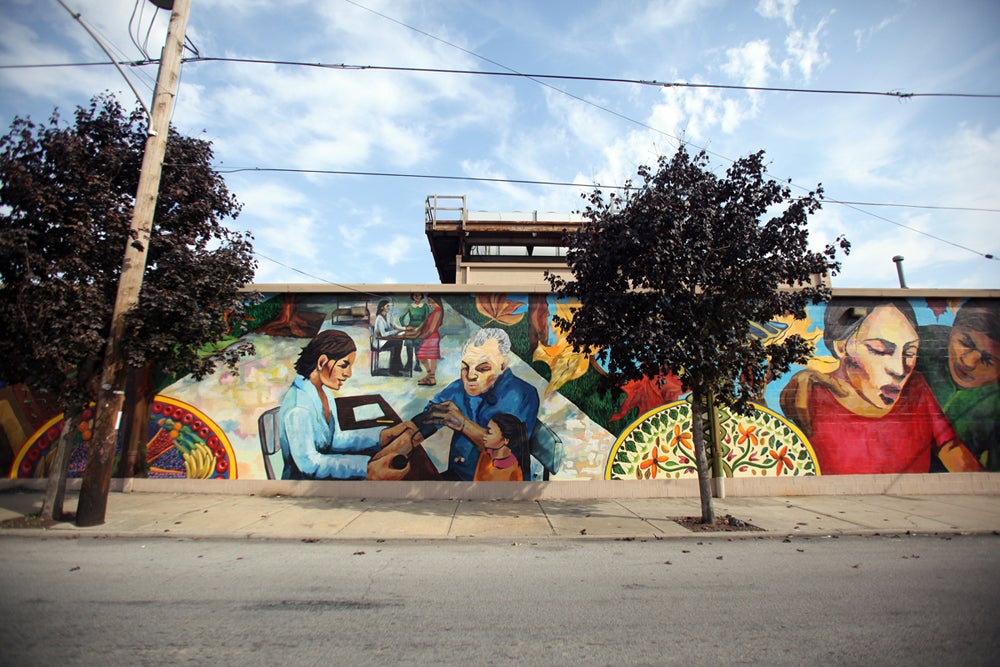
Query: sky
{"points": [[931, 157]]}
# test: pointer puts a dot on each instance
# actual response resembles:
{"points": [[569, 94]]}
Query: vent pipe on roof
{"points": [[898, 259]]}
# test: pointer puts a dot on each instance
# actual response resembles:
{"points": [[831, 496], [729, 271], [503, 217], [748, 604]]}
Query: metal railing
{"points": [[435, 204]]}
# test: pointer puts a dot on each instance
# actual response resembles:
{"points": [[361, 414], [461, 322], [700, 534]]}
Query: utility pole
{"points": [[96, 483]]}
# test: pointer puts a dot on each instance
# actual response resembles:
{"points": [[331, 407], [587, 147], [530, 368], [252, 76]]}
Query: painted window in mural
{"points": [[481, 387]]}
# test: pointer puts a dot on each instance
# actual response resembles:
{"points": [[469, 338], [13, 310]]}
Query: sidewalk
{"points": [[208, 516]]}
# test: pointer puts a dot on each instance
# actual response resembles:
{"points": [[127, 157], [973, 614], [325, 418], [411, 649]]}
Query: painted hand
{"points": [[447, 414]]}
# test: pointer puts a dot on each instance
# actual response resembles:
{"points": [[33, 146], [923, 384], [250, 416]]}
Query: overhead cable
{"points": [[851, 205], [565, 77]]}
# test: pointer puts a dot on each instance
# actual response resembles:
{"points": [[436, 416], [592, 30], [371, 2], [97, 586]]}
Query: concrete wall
{"points": [[902, 393]]}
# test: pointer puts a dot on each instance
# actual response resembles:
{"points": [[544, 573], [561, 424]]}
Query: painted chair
{"points": [[546, 448], [267, 430]]}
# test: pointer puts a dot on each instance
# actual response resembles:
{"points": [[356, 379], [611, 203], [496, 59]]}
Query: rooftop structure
{"points": [[477, 247], [502, 248]]}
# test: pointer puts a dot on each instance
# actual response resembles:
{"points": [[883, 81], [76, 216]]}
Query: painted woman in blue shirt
{"points": [[312, 445]]}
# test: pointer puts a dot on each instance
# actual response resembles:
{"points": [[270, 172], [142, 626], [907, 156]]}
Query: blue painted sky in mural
{"points": [[936, 151]]}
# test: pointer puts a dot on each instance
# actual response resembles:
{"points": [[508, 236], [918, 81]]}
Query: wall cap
{"points": [[378, 289]]}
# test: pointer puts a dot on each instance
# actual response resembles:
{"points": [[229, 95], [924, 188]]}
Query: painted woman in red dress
{"points": [[874, 413]]}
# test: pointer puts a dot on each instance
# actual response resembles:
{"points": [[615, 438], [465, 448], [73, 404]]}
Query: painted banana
{"points": [[200, 463]]}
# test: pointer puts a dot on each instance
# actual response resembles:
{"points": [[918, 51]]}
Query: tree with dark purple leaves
{"points": [[671, 273], [66, 197]]}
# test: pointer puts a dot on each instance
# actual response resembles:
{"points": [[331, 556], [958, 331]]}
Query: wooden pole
{"points": [[96, 483]]}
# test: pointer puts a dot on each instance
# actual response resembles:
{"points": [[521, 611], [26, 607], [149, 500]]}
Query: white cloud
{"points": [[863, 35], [346, 118], [659, 17], [266, 200], [395, 250], [750, 64], [778, 9], [291, 235], [935, 243], [866, 153], [804, 52], [422, 123]]}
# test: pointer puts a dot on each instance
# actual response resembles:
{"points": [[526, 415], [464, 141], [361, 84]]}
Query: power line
{"points": [[288, 266], [129, 63], [438, 177], [632, 120], [985, 255], [921, 206], [113, 60], [314, 277], [851, 205], [540, 79], [594, 79], [564, 77], [522, 181], [141, 63]]}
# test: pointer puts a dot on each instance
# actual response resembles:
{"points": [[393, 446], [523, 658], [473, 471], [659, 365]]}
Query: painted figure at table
{"points": [[384, 330], [874, 413], [965, 375], [487, 387], [312, 444]]}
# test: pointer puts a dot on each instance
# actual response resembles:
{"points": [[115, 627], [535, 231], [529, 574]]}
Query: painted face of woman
{"points": [[334, 373], [879, 357]]}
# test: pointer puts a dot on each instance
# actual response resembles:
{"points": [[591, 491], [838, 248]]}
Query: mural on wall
{"points": [[482, 387]]}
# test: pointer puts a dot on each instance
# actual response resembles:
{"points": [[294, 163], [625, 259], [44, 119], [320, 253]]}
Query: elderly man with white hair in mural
{"points": [[487, 387]]}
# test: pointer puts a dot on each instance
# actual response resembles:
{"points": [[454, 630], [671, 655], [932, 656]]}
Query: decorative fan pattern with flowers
{"points": [[659, 445]]}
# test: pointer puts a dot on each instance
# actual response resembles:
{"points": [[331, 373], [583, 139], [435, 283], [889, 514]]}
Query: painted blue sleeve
{"points": [[382, 328], [303, 433], [521, 402]]}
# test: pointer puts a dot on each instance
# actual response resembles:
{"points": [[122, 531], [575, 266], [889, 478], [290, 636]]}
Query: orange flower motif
{"points": [[781, 456], [681, 438], [653, 462], [747, 435]]}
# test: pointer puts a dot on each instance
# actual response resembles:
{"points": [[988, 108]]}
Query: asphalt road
{"points": [[910, 600]]}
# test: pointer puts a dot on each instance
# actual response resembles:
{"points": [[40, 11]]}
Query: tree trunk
{"points": [[701, 458], [718, 474], [138, 399], [55, 486], [302, 324]]}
